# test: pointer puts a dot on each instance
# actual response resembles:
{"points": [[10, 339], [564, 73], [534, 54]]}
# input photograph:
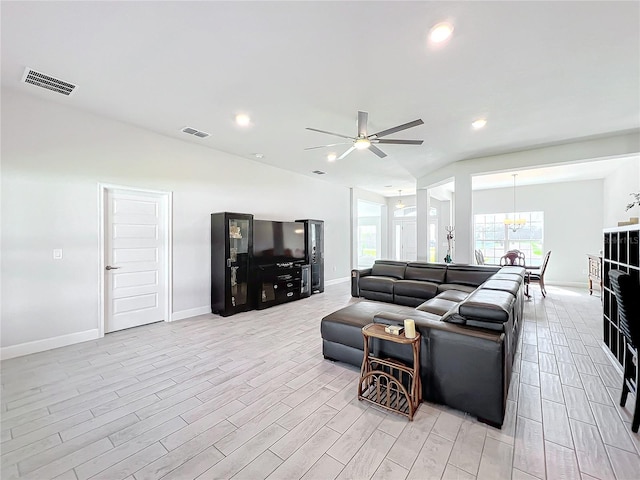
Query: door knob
{"points": [[109, 267]]}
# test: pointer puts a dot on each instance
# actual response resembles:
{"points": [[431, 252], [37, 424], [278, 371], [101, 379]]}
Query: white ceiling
{"points": [[541, 72], [568, 172], [553, 174]]}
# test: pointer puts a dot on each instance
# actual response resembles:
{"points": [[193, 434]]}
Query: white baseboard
{"points": [[337, 280], [192, 312], [612, 359], [47, 344], [568, 284]]}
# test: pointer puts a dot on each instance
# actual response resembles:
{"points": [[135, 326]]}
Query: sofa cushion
{"points": [[453, 295], [426, 272], [487, 306], [377, 284], [437, 306], [502, 285], [388, 269], [472, 275], [415, 288], [514, 277], [513, 269], [455, 286]]}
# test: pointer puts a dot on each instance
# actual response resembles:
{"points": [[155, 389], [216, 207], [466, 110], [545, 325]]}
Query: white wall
{"points": [[53, 158], [617, 187], [572, 225]]}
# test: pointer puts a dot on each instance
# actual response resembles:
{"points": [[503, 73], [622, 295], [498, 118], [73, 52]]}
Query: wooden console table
{"points": [[390, 383], [595, 271]]}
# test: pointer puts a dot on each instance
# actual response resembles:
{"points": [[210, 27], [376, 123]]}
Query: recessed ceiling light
{"points": [[258, 155], [332, 157], [479, 123], [441, 32], [243, 119]]}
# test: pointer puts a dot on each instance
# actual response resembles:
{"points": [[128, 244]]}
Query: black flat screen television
{"points": [[278, 242]]}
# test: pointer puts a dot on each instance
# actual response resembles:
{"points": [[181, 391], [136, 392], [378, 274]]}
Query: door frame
{"points": [[167, 198]]}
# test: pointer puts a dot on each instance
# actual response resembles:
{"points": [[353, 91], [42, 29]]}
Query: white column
{"points": [[462, 215], [422, 224]]}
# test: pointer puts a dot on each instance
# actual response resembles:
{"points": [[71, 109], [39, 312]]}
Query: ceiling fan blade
{"points": [[399, 128], [363, 117], [329, 145], [351, 149], [330, 133], [399, 142], [377, 151]]}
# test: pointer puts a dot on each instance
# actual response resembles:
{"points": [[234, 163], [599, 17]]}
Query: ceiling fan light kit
{"points": [[363, 141], [515, 223]]}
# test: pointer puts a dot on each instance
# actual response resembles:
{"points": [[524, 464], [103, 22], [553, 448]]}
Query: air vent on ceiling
{"points": [[318, 172], [46, 81], [197, 133]]}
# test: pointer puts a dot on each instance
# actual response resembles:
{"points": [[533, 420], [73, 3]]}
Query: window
{"points": [[368, 233], [494, 238], [405, 212]]}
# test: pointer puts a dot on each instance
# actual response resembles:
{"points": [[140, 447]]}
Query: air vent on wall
{"points": [[46, 81], [197, 133], [318, 172]]}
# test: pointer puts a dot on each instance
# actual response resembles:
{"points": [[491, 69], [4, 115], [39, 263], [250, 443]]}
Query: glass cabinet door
{"points": [[238, 261]]}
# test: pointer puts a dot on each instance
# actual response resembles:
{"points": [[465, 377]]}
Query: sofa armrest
{"points": [[355, 280], [456, 360]]}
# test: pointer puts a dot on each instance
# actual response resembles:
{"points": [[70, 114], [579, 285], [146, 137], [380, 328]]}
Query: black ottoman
{"points": [[342, 330]]}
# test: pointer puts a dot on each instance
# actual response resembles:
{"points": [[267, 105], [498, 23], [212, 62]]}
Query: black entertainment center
{"points": [[257, 264]]}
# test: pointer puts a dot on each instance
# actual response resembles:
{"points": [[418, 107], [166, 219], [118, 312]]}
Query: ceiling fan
{"points": [[364, 141]]}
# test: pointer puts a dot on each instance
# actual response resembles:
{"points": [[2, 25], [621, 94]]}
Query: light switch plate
{"points": [[57, 254]]}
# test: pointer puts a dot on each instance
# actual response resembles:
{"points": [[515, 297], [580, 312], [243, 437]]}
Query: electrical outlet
{"points": [[57, 254]]}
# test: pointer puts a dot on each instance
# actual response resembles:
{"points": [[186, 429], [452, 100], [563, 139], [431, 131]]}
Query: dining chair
{"points": [[538, 276], [479, 257], [627, 293], [513, 257]]}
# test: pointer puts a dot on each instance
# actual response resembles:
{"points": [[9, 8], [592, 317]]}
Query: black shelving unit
{"points": [[621, 251]]}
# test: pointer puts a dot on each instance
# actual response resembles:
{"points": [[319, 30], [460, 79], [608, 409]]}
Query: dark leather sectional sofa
{"points": [[469, 317]]}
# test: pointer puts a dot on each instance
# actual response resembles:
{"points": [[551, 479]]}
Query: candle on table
{"points": [[409, 328]]}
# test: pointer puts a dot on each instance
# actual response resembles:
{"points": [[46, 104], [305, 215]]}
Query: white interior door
{"points": [[405, 240], [135, 259]]}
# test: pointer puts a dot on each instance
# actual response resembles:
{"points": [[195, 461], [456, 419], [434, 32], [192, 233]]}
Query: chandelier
{"points": [[514, 224], [399, 204]]}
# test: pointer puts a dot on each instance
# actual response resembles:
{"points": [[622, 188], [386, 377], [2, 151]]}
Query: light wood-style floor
{"points": [[250, 397]]}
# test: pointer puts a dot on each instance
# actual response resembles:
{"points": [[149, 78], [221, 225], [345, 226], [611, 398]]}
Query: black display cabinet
{"points": [[314, 241], [231, 252]]}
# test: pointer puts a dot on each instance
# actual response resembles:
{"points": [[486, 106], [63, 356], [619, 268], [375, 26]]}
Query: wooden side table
{"points": [[390, 383]]}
